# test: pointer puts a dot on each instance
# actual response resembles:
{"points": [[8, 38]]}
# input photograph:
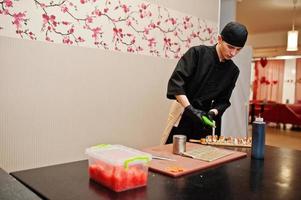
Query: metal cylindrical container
{"points": [[179, 144], [258, 138]]}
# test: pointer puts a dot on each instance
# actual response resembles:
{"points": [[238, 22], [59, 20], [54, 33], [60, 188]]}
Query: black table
{"points": [[11, 189], [277, 177]]}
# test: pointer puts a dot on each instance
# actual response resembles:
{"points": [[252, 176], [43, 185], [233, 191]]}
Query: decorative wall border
{"points": [[123, 25]]}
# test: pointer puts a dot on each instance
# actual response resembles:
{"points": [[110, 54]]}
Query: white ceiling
{"points": [[262, 16]]}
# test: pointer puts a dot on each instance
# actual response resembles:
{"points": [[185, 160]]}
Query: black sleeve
{"points": [[182, 73], [223, 100]]}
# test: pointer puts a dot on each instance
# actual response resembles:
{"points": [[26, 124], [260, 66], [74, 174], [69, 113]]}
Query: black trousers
{"points": [[192, 129]]}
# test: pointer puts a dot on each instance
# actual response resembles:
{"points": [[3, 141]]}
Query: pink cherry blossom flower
{"points": [[89, 19], [133, 40], [18, 18], [173, 21], [130, 49], [209, 30], [167, 41], [71, 30], [152, 25], [48, 39], [151, 42], [45, 18], [65, 23], [143, 6], [43, 5], [97, 12], [187, 18], [52, 20], [64, 9], [82, 1], [125, 8], [66, 40], [49, 19], [146, 31], [118, 32], [80, 39], [96, 32], [8, 3], [128, 22], [5, 12]]}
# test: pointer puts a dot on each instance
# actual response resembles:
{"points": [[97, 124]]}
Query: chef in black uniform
{"points": [[203, 81]]}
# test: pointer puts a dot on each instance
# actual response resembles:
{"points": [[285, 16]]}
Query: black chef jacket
{"points": [[207, 82]]}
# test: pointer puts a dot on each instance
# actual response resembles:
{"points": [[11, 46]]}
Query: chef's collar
{"points": [[216, 55]]}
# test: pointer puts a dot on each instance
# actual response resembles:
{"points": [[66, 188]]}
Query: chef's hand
{"points": [[194, 113], [211, 115]]}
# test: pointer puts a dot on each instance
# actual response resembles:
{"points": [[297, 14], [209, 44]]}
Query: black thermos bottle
{"points": [[258, 138]]}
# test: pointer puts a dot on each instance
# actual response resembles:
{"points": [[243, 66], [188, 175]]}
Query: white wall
{"points": [[235, 119], [204, 9], [52, 109], [227, 12], [289, 81], [273, 39]]}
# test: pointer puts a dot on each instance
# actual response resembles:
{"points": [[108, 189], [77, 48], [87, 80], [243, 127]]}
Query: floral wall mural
{"points": [[123, 25]]}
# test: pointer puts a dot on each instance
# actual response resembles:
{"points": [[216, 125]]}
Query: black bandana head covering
{"points": [[235, 34]]}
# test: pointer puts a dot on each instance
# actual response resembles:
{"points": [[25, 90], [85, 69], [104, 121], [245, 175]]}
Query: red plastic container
{"points": [[118, 167]]}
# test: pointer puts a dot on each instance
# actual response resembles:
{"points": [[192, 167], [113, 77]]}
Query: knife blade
{"points": [[162, 158]]}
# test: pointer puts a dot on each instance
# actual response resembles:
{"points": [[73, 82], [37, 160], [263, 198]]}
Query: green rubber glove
{"points": [[207, 121]]}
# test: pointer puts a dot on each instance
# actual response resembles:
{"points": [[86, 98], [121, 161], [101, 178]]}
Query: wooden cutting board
{"points": [[184, 165]]}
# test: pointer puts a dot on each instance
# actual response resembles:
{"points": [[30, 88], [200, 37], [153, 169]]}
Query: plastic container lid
{"points": [[118, 154]]}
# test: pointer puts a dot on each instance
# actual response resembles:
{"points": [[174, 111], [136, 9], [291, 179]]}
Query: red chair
{"points": [[283, 113]]}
